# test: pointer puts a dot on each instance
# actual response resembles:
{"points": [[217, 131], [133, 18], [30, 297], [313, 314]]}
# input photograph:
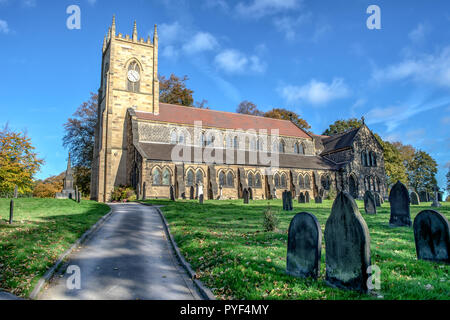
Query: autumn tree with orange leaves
{"points": [[18, 162]]}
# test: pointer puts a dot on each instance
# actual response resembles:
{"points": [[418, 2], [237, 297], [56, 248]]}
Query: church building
{"points": [[162, 149]]}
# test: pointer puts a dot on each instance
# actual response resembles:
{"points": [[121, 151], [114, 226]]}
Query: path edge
{"points": [[205, 292], [49, 274]]}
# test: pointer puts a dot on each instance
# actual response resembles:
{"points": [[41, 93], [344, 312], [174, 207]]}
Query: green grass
{"points": [[42, 230], [225, 244]]}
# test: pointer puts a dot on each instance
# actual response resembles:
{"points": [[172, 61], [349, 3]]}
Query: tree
{"points": [[247, 107], [406, 151], [202, 105], [393, 163], [80, 139], [174, 91], [18, 161], [341, 126], [422, 172], [287, 115], [448, 180], [49, 187]]}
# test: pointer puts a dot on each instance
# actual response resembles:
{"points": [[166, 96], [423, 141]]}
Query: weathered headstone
{"points": [[399, 201], [307, 198], [318, 199], [431, 234], [191, 193], [414, 197], [304, 246], [301, 198], [200, 198], [274, 195], [246, 196], [290, 205], [436, 203], [284, 200], [79, 197], [11, 211], [172, 193], [423, 196], [347, 244], [440, 196], [16, 191], [369, 203], [144, 189], [250, 193]]}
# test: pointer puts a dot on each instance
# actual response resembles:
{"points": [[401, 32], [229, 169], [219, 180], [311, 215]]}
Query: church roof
{"points": [[339, 141], [222, 120], [163, 152]]}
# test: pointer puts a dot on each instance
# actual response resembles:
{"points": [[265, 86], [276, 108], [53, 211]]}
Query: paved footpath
{"points": [[128, 258]]}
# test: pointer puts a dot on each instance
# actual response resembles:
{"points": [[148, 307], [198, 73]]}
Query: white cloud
{"points": [[289, 26], [434, 69], [202, 41], [4, 27], [419, 33], [316, 92], [221, 4], [234, 61], [170, 33], [261, 8]]}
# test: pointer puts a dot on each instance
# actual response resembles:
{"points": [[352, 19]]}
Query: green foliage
{"points": [[122, 193], [393, 163], [341, 126], [174, 91], [422, 170], [332, 193], [18, 162], [270, 222], [284, 114], [448, 180], [223, 242], [49, 187], [79, 138], [42, 230]]}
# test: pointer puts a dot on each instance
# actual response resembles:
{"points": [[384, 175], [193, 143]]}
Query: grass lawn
{"points": [[225, 243], [42, 230]]}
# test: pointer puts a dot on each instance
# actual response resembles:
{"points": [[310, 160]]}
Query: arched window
{"points": [[373, 159], [156, 177], [296, 148], [210, 139], [301, 182], [283, 181], [166, 177], [364, 158], [199, 177], [281, 147], [276, 179], [366, 183], [372, 184], [236, 142], [190, 178], [250, 179], [182, 138], [307, 182], [253, 144], [173, 137], [134, 77], [230, 179], [229, 141], [222, 181], [274, 146], [258, 180], [302, 149]]}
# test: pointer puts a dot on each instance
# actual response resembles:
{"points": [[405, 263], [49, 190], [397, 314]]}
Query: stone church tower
{"points": [[129, 79]]}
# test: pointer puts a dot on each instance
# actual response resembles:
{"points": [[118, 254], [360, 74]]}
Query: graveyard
{"points": [[42, 230], [225, 243]]}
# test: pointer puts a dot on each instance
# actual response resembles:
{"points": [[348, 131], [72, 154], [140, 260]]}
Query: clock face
{"points": [[133, 76]]}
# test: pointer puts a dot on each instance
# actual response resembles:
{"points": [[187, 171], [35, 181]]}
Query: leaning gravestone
{"points": [[347, 245], [414, 197], [246, 196], [399, 201], [431, 234], [304, 246], [172, 193], [369, 203], [301, 198], [318, 199]]}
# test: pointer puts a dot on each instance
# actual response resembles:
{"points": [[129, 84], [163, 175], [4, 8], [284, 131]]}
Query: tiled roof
{"points": [[222, 120], [163, 152], [340, 141]]}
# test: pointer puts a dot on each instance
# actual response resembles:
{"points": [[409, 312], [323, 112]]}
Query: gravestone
{"points": [[274, 196], [318, 199], [307, 199], [200, 199], [191, 193], [79, 196], [378, 199], [347, 245], [440, 196], [76, 194], [436, 203], [290, 205], [172, 193], [11, 211], [301, 198], [423, 196], [431, 234], [220, 193], [250, 193], [399, 201], [284, 200], [414, 197], [304, 246], [246, 196], [369, 203], [143, 191], [16, 191]]}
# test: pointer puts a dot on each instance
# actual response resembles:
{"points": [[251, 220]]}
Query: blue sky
{"points": [[317, 58]]}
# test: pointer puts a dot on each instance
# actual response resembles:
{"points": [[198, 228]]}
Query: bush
{"points": [[122, 193], [331, 193], [271, 221]]}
